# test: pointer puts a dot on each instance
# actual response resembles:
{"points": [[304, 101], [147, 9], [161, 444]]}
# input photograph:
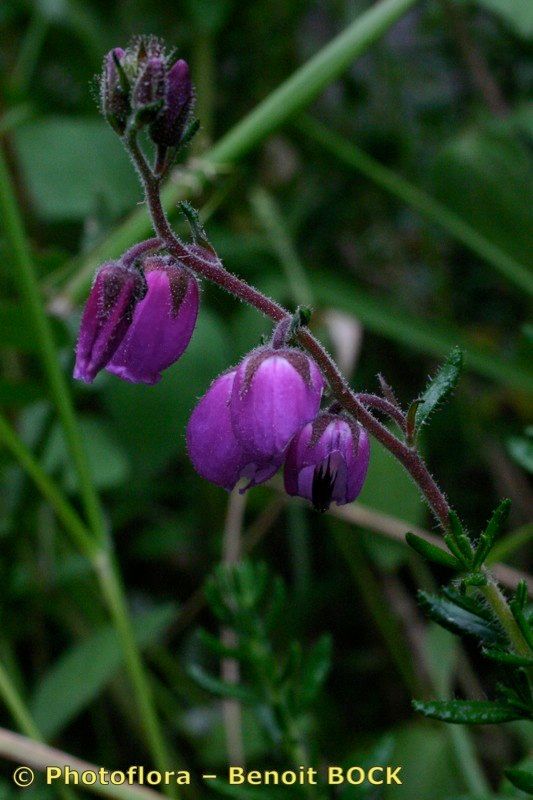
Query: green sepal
{"points": [[410, 422], [467, 712], [431, 552], [190, 132]]}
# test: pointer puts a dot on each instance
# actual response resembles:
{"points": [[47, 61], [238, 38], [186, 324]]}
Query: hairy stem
{"points": [[209, 266]]}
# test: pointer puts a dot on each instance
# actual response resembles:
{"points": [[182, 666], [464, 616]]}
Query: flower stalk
{"points": [[206, 264]]}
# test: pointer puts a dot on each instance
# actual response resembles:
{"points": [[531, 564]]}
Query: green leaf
{"points": [[316, 666], [520, 448], [521, 779], [467, 712], [83, 671], [457, 619], [68, 163], [517, 14], [439, 387], [218, 687], [107, 460], [492, 531], [431, 552], [484, 175], [16, 330]]}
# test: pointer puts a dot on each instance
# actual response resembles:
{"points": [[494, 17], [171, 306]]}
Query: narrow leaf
{"points": [[78, 677], [316, 666], [493, 530], [220, 688], [520, 778], [502, 656], [440, 386], [458, 620], [431, 551], [467, 712]]}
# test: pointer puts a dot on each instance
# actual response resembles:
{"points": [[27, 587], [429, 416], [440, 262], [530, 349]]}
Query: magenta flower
{"points": [[327, 461], [162, 324], [215, 452], [275, 393], [107, 317], [171, 122]]}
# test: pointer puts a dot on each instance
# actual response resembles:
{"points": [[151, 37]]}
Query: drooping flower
{"points": [[275, 393], [327, 461], [168, 129], [215, 452], [162, 325], [106, 317]]}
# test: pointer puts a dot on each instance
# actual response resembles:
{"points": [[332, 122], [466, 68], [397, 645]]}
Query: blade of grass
{"points": [[290, 97], [101, 556], [351, 155], [281, 242], [377, 314], [25, 750], [383, 317], [22, 717]]}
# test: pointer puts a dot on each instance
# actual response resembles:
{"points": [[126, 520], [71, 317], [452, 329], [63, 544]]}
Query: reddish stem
{"points": [[206, 263]]}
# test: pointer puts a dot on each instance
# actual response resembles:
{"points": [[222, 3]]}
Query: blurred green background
{"points": [[400, 264]]}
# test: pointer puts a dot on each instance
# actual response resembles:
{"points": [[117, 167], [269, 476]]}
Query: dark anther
{"points": [[323, 482]]}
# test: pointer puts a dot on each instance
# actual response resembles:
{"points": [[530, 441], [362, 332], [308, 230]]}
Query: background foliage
{"points": [[399, 204]]}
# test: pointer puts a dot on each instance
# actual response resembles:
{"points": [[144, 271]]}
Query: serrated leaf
{"points": [[218, 687], [458, 620], [439, 387], [521, 778], [467, 712], [431, 551]]}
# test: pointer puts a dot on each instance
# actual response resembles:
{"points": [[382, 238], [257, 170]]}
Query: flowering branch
{"points": [[266, 411], [208, 265]]}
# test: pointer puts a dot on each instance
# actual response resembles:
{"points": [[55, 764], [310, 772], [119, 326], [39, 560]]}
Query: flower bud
{"points": [[213, 449], [276, 392], [327, 461], [114, 100], [162, 325], [171, 122], [150, 84], [106, 318]]}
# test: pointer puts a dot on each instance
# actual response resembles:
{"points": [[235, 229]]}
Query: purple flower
{"points": [[150, 84], [106, 318], [162, 325], [213, 449], [171, 122], [327, 461], [114, 100], [275, 393]]}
